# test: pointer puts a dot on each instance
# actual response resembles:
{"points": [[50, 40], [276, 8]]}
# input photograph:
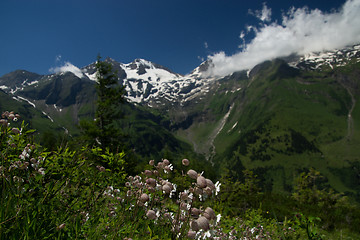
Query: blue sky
{"points": [[39, 35]]}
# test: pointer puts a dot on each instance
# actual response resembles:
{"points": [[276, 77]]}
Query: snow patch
{"points": [[48, 116], [26, 100]]}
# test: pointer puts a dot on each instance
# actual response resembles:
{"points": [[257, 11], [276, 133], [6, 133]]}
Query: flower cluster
{"points": [[6, 116], [154, 192], [25, 161]]}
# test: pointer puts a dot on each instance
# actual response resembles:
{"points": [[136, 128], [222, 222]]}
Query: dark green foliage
{"points": [[104, 130]]}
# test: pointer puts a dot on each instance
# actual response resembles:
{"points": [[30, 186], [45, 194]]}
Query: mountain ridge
{"points": [[278, 118]]}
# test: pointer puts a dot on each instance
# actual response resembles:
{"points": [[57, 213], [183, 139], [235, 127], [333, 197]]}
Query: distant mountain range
{"points": [[279, 118]]}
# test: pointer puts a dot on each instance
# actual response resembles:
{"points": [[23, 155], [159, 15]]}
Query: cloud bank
{"points": [[68, 67], [301, 31]]}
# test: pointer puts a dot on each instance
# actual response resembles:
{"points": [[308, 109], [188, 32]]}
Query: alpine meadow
{"points": [[260, 144]]}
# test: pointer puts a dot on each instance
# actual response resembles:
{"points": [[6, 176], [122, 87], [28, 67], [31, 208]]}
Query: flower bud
{"points": [[201, 181], [151, 189], [192, 174], [184, 196], [144, 197], [198, 191], [183, 206], [208, 191], [15, 130], [151, 182], [211, 212], [3, 122], [166, 188], [210, 184], [206, 215], [191, 234], [203, 223], [151, 162], [160, 165], [195, 212], [147, 173], [151, 214], [185, 162], [166, 162], [194, 226], [61, 226]]}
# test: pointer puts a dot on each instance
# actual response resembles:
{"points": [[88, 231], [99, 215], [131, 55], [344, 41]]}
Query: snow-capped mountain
{"points": [[152, 84], [334, 58]]}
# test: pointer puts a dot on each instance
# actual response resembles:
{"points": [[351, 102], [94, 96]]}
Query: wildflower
{"points": [[61, 226], [195, 212], [3, 122], [183, 206], [217, 187], [191, 234], [42, 171], [15, 130], [147, 173], [151, 214], [144, 197], [169, 167], [210, 212], [192, 174], [218, 218], [160, 165], [151, 182], [210, 184], [198, 191], [203, 223], [166, 162], [151, 162], [166, 188], [201, 181], [100, 168], [194, 226], [185, 162], [184, 196], [208, 191]]}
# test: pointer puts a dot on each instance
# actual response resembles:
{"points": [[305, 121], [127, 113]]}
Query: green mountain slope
{"points": [[285, 121]]}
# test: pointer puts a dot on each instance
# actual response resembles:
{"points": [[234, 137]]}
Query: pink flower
{"points": [[191, 234], [144, 197], [203, 223], [185, 162], [151, 214], [201, 181], [192, 174]]}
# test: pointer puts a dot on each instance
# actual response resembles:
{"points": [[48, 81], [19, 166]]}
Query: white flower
{"points": [[217, 187], [218, 218], [41, 171], [173, 191]]}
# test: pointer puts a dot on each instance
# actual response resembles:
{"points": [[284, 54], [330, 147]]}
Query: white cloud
{"points": [[301, 31], [206, 45], [58, 58], [264, 15], [68, 67]]}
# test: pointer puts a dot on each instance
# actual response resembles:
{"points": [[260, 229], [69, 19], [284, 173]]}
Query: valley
{"points": [[277, 119]]}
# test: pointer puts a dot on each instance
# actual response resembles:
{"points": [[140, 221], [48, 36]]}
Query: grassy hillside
{"points": [[279, 122]]}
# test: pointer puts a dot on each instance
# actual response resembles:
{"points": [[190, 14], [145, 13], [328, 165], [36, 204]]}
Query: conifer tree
{"points": [[105, 130]]}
